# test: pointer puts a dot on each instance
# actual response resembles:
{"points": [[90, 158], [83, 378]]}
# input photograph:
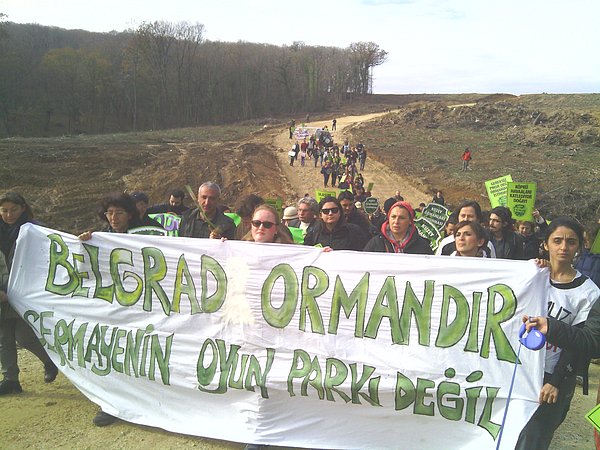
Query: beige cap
{"points": [[290, 213]]}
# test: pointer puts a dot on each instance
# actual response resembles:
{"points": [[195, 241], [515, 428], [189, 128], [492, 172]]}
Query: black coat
{"points": [[346, 236]]}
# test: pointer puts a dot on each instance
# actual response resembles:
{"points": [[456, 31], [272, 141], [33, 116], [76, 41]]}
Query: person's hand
{"points": [[536, 214], [548, 394], [223, 239], [327, 249], [3, 297], [542, 263], [85, 236], [539, 322]]}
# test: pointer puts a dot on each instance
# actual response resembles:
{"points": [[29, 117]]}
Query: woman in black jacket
{"points": [[399, 234], [14, 212], [332, 231]]}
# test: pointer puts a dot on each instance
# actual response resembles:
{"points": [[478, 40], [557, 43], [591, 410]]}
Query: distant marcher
{"points": [[438, 198], [466, 157], [326, 170], [334, 125]]}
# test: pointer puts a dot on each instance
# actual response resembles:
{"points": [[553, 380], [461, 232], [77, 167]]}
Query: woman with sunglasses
{"points": [[332, 231], [14, 212], [399, 234], [267, 227]]}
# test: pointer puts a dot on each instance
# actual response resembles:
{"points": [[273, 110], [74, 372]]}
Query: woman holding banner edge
{"points": [[14, 212], [572, 298]]}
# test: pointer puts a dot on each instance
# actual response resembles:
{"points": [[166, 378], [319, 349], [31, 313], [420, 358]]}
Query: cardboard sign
{"points": [[521, 200], [320, 195], [370, 205], [436, 214], [429, 231], [496, 190]]}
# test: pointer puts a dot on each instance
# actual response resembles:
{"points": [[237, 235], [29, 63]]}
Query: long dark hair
{"points": [[17, 199]]}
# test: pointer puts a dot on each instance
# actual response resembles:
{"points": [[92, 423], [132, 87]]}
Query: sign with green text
{"points": [[496, 190], [521, 200], [370, 205], [321, 194]]}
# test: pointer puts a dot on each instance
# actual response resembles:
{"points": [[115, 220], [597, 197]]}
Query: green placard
{"points": [[170, 222], [370, 187], [233, 216], [521, 200], [436, 214], [297, 234], [496, 190], [276, 203], [429, 231], [320, 195], [596, 245], [370, 205], [594, 417]]}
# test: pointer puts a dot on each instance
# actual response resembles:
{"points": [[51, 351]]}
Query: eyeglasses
{"points": [[330, 210], [258, 223]]}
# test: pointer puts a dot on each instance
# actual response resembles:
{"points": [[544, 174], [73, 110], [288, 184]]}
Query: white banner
{"points": [[286, 345]]}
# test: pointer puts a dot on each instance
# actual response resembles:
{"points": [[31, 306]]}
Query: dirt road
{"points": [[308, 179]]}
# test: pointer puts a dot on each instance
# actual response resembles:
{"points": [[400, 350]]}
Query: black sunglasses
{"points": [[258, 223], [330, 210]]}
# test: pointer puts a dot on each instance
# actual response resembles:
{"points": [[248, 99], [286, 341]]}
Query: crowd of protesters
{"points": [[336, 223]]}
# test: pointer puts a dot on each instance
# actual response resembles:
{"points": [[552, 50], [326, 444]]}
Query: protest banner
{"points": [[321, 194], [169, 221], [496, 190], [285, 344], [436, 214], [521, 200]]}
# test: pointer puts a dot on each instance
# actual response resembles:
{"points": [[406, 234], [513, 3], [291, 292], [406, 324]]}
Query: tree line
{"points": [[164, 75]]}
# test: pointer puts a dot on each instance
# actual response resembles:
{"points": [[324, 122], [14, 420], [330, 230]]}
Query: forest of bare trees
{"points": [[164, 75]]}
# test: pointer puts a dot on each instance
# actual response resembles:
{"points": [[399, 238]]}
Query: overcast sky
{"points": [[434, 46]]}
